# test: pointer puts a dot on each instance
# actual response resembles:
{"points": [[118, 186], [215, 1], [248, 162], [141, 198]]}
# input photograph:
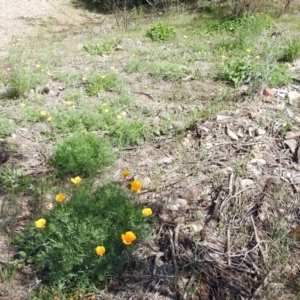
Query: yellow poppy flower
{"points": [[76, 180], [147, 212], [119, 117], [49, 119], [106, 111], [126, 173], [136, 186], [104, 104], [248, 50], [100, 250], [49, 73], [23, 105], [128, 237], [84, 79], [43, 113], [37, 66], [69, 103], [60, 197], [103, 76], [40, 223]]}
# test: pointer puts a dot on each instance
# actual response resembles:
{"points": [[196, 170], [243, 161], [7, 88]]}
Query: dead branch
{"points": [[257, 239]]}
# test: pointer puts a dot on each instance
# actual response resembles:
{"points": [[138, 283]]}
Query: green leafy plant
{"points": [[82, 154], [291, 51], [101, 48], [69, 77], [160, 32], [101, 82], [237, 71], [279, 75], [254, 23], [79, 243]]}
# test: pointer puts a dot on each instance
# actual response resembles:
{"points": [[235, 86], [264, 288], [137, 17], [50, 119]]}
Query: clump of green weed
{"points": [[15, 179], [237, 70], [6, 127], [279, 75], [254, 24], [101, 48], [128, 132], [21, 81], [69, 77], [101, 82], [160, 32], [291, 51], [87, 118], [62, 244], [168, 71], [82, 154]]}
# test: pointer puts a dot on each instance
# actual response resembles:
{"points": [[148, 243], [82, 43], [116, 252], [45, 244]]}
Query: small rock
{"points": [[256, 154], [268, 92], [196, 226], [260, 131], [243, 89], [253, 114], [172, 207], [231, 134], [189, 77], [208, 146], [119, 47], [165, 160], [223, 118], [292, 144], [251, 131], [258, 161], [185, 142], [268, 99], [146, 182], [246, 182], [180, 202], [291, 135], [61, 88], [293, 96], [281, 95]]}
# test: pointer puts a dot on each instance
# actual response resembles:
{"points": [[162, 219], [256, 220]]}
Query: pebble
{"points": [[165, 160], [293, 96], [258, 161], [172, 207]]}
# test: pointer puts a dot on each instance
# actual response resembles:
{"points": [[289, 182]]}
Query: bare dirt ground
{"points": [[21, 18]]}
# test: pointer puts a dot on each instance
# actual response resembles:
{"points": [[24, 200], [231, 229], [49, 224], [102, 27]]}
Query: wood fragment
{"points": [[257, 239], [173, 249]]}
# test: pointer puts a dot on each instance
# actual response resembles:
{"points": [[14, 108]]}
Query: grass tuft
{"points": [[82, 154]]}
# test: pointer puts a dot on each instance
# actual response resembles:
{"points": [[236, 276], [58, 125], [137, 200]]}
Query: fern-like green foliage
{"points": [[82, 154], [63, 252], [160, 32]]}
